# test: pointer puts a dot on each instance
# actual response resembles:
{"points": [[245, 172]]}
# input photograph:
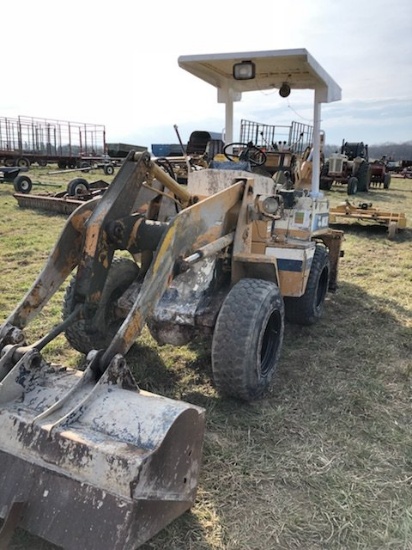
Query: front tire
{"points": [[121, 275], [325, 181], [308, 309], [247, 339], [352, 186]]}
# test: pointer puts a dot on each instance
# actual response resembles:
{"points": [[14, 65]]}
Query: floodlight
{"points": [[245, 70], [270, 205]]}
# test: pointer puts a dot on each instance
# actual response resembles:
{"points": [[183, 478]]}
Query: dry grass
{"points": [[325, 462]]}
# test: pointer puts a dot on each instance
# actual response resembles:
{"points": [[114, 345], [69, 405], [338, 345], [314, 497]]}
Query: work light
{"points": [[245, 70]]}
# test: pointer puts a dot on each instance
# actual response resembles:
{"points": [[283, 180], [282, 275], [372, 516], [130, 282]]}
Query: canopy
{"points": [[296, 67]]}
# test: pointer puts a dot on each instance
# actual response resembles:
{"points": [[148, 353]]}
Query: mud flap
{"points": [[94, 464]]}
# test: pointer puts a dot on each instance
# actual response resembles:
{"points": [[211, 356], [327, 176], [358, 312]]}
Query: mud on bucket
{"points": [[97, 465]]}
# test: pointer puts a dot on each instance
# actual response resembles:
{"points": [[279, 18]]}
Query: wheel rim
{"points": [[24, 185], [80, 189], [270, 342]]}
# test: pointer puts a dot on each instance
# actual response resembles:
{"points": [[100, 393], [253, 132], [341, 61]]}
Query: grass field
{"points": [[325, 461]]}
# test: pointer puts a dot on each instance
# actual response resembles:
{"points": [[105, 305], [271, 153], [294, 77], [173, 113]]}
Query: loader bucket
{"points": [[93, 464]]}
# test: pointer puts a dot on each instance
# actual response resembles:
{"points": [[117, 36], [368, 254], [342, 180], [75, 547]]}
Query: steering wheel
{"points": [[248, 152]]}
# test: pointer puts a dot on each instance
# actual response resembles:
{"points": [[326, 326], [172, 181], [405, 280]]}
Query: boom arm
{"points": [[98, 228]]}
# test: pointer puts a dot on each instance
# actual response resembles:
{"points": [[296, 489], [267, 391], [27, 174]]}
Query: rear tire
{"points": [[121, 275], [386, 181], [247, 339], [308, 309], [364, 177]]}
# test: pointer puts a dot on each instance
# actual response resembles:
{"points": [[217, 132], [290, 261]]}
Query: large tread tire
{"points": [[121, 274], [247, 339], [386, 181], [308, 308], [364, 177]]}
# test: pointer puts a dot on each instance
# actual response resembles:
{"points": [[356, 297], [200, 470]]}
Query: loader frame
{"points": [[227, 254]]}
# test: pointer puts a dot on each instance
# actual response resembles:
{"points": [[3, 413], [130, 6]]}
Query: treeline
{"points": [[392, 151]]}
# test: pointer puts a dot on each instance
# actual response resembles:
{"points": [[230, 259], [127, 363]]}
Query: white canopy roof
{"points": [[296, 67], [272, 68]]}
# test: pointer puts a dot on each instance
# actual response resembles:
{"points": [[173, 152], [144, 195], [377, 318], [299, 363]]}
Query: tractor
{"points": [[349, 167]]}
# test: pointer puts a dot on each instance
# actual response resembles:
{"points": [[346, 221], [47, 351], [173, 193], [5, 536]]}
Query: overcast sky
{"points": [[116, 64]]}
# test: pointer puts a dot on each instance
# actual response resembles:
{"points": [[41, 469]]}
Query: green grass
{"points": [[325, 461]]}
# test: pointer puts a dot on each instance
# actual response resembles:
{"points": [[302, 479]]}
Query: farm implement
{"points": [[78, 191], [365, 212]]}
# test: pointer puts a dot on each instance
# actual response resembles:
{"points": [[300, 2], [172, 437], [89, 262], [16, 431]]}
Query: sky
{"points": [[116, 64]]}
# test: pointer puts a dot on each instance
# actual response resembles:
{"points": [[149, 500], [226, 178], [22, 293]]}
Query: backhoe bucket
{"points": [[93, 464]]}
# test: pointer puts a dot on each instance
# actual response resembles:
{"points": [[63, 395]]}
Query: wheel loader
{"points": [[87, 458]]}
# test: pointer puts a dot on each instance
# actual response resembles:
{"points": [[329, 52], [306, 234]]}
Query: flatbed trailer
{"points": [[27, 140]]}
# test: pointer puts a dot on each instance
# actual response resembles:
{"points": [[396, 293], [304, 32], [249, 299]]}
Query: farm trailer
{"points": [[28, 140]]}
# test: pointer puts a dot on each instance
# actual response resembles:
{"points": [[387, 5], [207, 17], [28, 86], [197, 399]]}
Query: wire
{"points": [[297, 114]]}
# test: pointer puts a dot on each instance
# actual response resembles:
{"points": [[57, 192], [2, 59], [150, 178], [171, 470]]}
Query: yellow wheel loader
{"points": [[87, 458]]}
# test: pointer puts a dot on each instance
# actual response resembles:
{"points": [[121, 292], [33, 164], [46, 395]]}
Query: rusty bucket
{"points": [[96, 464]]}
